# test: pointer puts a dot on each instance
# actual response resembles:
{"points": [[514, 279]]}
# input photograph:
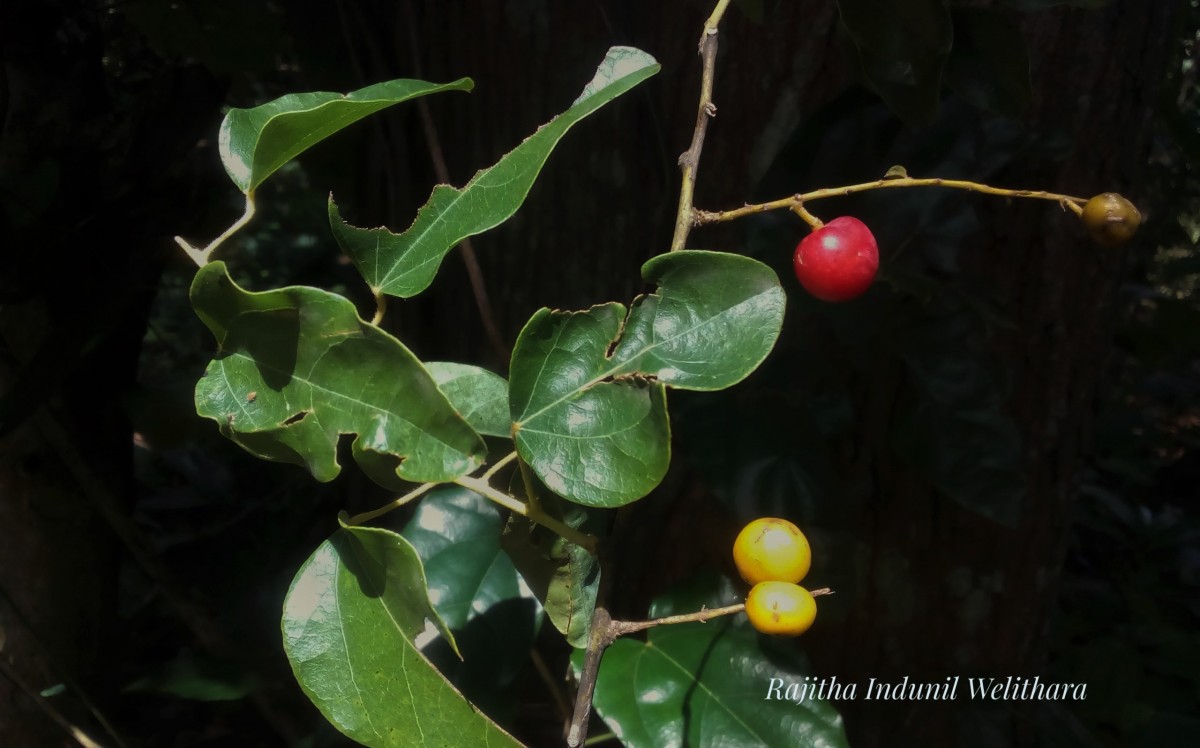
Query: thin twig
{"points": [[78, 735], [56, 666], [560, 701], [579, 538], [689, 162], [499, 464], [487, 314], [359, 519], [598, 641], [796, 202], [380, 306], [704, 615], [201, 256], [531, 497], [208, 630]]}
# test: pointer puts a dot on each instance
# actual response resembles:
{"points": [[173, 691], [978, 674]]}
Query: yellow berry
{"points": [[780, 608], [771, 550], [1110, 219]]}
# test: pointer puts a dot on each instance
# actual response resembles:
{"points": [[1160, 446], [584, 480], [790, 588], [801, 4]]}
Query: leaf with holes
{"points": [[254, 143], [297, 367], [350, 622], [477, 394], [587, 388], [563, 576], [405, 264]]}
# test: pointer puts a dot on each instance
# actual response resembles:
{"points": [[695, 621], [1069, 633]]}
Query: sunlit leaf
{"points": [[255, 142], [350, 620], [297, 367], [477, 394], [405, 264], [477, 591], [587, 388]]}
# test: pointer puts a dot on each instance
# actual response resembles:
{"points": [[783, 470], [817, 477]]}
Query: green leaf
{"points": [[713, 320], [350, 621], [457, 534], [989, 66], [477, 394], [255, 142], [405, 264], [563, 576], [902, 47], [596, 442], [593, 425], [705, 684], [477, 591], [296, 367]]}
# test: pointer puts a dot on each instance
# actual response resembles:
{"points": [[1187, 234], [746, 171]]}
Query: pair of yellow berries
{"points": [[773, 555]]}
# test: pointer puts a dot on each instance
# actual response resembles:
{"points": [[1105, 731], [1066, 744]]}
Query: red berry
{"points": [[837, 262]]}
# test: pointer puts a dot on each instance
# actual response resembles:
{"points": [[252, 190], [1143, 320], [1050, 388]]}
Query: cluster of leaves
{"points": [[584, 408]]}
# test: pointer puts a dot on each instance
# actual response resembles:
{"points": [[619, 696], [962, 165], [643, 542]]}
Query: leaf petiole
{"points": [[481, 487], [201, 256]]}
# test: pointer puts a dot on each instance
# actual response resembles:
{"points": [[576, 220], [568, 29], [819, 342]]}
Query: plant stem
{"points": [[795, 202], [359, 519], [814, 222], [689, 162], [530, 493], [581, 539], [200, 256], [78, 735], [483, 303], [499, 464], [380, 306], [620, 628]]}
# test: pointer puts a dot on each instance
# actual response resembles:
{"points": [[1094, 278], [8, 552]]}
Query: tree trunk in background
{"points": [[1094, 76]]}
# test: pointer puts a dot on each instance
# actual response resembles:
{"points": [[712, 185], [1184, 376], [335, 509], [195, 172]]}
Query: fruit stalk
{"points": [[794, 202]]}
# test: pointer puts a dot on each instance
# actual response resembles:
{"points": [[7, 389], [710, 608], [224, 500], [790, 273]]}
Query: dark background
{"points": [[994, 451]]}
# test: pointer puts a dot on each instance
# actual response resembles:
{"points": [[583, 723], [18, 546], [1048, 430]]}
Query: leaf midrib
{"points": [[612, 370]]}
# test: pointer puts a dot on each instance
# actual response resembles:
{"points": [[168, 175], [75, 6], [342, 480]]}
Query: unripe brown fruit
{"points": [[1110, 219]]}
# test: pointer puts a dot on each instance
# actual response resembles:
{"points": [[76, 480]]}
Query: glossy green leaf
{"points": [[350, 621], [255, 142], [713, 320], [456, 532], [296, 368], [405, 264], [706, 684], [587, 388], [476, 590], [477, 394], [563, 576], [902, 47], [989, 66], [596, 442]]}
